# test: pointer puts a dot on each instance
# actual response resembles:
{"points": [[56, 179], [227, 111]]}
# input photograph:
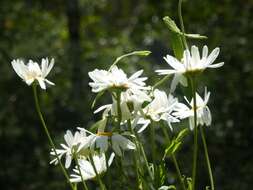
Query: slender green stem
{"points": [[152, 140], [141, 53], [207, 158], [136, 165], [145, 159], [174, 159], [79, 170], [195, 150], [164, 79], [142, 153], [182, 22], [102, 186], [48, 134], [119, 108], [109, 175]]}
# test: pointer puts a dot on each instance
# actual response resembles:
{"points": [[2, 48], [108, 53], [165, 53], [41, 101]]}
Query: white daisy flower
{"points": [[160, 108], [102, 139], [71, 146], [32, 71], [116, 78], [87, 170], [204, 116], [190, 63]]}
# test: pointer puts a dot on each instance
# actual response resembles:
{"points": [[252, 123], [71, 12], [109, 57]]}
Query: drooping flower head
{"points": [[191, 63], [32, 71], [87, 169], [160, 108], [102, 140], [71, 147], [204, 116]]}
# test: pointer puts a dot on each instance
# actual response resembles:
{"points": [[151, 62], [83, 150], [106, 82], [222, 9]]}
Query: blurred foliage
{"points": [[86, 34]]}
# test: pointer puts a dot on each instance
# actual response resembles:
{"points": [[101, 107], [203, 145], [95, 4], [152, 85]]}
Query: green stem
{"points": [[109, 175], [97, 174], [152, 139], [145, 159], [195, 150], [135, 156], [164, 79], [174, 159], [119, 108], [78, 167], [207, 158], [182, 22], [48, 134]]}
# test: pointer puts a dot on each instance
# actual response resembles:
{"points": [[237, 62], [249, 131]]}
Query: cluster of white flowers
{"points": [[140, 105]]}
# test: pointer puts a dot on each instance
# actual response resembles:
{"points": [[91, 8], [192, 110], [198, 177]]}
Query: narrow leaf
{"points": [[139, 53], [96, 99], [171, 25]]}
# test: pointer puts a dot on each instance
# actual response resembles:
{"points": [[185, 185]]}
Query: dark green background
{"points": [[87, 34]]}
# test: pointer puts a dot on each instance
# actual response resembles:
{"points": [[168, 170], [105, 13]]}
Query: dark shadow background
{"points": [[86, 34]]}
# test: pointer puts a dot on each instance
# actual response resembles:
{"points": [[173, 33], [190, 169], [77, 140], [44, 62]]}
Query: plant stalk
{"points": [[182, 23], [78, 167], [207, 158], [174, 159], [48, 134], [195, 150]]}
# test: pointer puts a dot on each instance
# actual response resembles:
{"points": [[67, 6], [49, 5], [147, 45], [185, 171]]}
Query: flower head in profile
{"points": [[160, 108], [204, 116], [130, 103], [116, 78], [87, 169], [102, 140], [71, 147], [32, 71], [191, 63]]}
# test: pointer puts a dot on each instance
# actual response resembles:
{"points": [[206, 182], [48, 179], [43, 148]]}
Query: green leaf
{"points": [[175, 143], [140, 53], [171, 25], [176, 37], [169, 150], [195, 36], [189, 183], [182, 134], [177, 45]]}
